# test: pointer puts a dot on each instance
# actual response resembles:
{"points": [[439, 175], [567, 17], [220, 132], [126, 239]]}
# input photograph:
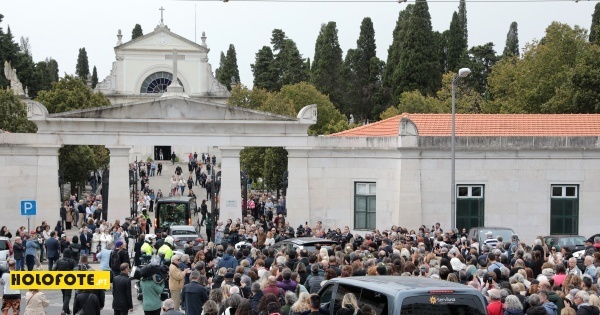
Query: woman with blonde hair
{"points": [[269, 241], [349, 305], [225, 289], [302, 305], [36, 302]]}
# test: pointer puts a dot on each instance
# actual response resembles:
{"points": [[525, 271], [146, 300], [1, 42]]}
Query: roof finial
{"points": [[203, 39], [119, 37]]}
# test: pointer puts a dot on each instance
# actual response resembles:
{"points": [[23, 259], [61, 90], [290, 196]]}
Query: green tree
{"points": [[137, 32], [542, 81], [52, 69], [457, 45], [512, 41], [481, 60], [26, 71], [253, 160], [8, 52], [13, 114], [82, 69], [292, 98], [76, 161], [243, 97], [586, 81], [327, 63], [265, 70], [290, 66], [94, 78], [595, 27], [228, 69], [462, 17], [70, 93], [391, 75], [419, 63], [275, 164], [101, 156]]}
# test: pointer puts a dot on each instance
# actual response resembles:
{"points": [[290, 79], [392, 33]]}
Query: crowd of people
{"points": [[239, 271]]}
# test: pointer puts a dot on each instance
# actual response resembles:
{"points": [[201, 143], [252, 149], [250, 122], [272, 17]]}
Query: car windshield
{"points": [[183, 232], [571, 241], [171, 214]]}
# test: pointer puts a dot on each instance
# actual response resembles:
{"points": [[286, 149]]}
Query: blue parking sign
{"points": [[28, 207]]}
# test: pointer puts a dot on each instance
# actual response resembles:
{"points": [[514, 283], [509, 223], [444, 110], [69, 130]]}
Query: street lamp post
{"points": [[461, 74]]}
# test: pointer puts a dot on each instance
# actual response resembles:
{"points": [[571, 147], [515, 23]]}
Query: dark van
{"points": [[174, 211], [394, 295]]}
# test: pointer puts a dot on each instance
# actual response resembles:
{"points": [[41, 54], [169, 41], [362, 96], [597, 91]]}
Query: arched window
{"points": [[157, 82]]}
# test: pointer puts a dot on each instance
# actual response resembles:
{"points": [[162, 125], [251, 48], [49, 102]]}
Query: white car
{"points": [[5, 251]]}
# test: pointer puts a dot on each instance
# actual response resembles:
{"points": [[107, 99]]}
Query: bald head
{"points": [[545, 285], [272, 280]]}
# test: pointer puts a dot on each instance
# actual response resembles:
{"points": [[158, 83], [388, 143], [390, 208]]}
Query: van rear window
{"points": [[453, 304]]}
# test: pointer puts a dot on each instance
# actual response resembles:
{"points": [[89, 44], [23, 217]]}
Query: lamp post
{"points": [[461, 74]]}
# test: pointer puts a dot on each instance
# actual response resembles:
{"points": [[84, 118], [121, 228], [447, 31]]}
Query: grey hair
{"points": [[505, 272], [512, 302], [504, 293], [517, 277], [185, 258], [290, 297], [168, 304], [255, 287], [195, 275], [246, 280], [534, 300], [494, 294], [583, 295], [281, 260]]}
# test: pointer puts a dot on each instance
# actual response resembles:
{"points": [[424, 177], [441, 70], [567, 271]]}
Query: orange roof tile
{"points": [[548, 125]]}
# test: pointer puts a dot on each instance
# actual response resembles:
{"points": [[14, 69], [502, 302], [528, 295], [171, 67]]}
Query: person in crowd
{"points": [[122, 300], [36, 302], [152, 288], [11, 299]]}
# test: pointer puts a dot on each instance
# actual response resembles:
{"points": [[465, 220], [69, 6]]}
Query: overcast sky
{"points": [[58, 28]]}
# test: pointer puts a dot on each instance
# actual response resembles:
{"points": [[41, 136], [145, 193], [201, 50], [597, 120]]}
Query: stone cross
{"points": [[174, 86], [161, 14]]}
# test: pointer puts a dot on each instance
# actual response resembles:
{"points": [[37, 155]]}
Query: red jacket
{"points": [[495, 308]]}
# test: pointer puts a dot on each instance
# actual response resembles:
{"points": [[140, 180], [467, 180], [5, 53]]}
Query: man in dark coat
{"points": [[52, 249], [85, 239], [122, 301], [88, 301], [257, 295], [194, 295]]}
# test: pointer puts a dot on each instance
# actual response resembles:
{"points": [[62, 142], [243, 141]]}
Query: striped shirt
{"points": [[491, 242]]}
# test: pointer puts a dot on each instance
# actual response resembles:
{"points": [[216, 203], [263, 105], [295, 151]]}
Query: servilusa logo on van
{"points": [[441, 300]]}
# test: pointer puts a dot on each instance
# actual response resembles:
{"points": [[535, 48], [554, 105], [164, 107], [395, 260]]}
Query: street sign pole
{"points": [[28, 218]]}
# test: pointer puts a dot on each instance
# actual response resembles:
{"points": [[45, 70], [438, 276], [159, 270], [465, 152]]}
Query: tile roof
{"points": [[548, 125]]}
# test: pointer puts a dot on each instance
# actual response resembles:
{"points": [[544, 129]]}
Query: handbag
{"points": [[81, 311]]}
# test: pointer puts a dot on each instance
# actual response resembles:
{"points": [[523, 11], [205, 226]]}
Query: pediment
{"points": [[173, 108], [161, 39]]}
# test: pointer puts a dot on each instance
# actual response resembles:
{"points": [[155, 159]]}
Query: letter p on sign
{"points": [[28, 207]]}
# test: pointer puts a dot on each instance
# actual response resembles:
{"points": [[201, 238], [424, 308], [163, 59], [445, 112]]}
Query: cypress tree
{"points": [[94, 78], [419, 62], [136, 32], [221, 65], [457, 46], [289, 65], [512, 41], [595, 28], [228, 68], [82, 69], [327, 63], [52, 69], [391, 74], [462, 18], [265, 71]]}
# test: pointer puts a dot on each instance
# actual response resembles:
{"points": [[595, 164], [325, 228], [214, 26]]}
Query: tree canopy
{"points": [[82, 69], [13, 114], [137, 32], [70, 93], [228, 68]]}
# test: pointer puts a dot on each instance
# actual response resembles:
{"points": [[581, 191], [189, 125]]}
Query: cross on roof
{"points": [[174, 86], [161, 14]]}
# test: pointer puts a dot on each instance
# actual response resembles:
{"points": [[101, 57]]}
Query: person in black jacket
{"points": [[66, 263], [52, 249], [194, 295], [122, 300], [19, 254], [88, 301]]}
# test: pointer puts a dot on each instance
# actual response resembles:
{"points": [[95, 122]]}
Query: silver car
{"points": [[5, 252], [183, 234]]}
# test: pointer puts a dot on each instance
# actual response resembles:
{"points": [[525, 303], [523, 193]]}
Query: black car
{"points": [[572, 242], [393, 295], [308, 243]]}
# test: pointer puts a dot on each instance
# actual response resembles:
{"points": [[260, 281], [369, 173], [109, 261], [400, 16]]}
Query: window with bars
{"points": [[470, 205], [564, 209], [365, 199], [157, 82]]}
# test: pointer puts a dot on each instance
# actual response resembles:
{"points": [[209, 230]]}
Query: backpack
{"points": [[63, 265], [115, 260], [281, 297]]}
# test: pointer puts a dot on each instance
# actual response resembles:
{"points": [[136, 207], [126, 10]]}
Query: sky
{"points": [[58, 28]]}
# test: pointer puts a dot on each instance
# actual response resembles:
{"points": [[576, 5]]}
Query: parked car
{"points": [[573, 242], [479, 233], [392, 295], [308, 243], [5, 252], [184, 233]]}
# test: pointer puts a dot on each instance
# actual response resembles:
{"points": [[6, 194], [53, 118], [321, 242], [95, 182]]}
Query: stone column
{"points": [[48, 192], [297, 199], [231, 191], [119, 199]]}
